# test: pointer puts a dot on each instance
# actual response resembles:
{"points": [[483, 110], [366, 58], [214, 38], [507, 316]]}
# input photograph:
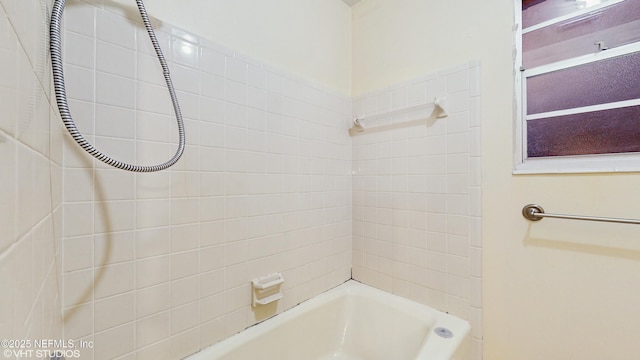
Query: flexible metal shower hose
{"points": [[63, 106]]}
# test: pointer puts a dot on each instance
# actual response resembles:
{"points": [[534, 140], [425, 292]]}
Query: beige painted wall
{"points": [[309, 38], [554, 289]]}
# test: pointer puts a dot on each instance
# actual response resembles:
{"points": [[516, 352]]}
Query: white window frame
{"points": [[628, 162]]}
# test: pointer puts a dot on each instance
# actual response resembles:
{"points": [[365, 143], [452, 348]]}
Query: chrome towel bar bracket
{"points": [[534, 212]]}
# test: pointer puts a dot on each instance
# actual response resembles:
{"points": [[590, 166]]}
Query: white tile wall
{"points": [[157, 266], [264, 186], [417, 194], [30, 186]]}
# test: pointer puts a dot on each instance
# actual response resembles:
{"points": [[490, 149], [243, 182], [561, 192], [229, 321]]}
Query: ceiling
{"points": [[350, 2]]}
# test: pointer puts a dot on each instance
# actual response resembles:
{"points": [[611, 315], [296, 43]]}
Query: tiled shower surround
{"points": [[417, 196], [30, 179], [157, 266]]}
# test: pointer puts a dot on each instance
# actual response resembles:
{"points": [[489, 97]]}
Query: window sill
{"points": [[610, 163]]}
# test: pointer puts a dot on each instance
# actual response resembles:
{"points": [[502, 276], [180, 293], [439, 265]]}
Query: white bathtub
{"points": [[352, 321]]}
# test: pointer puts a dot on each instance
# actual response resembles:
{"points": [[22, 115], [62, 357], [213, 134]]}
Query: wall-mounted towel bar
{"points": [[437, 104], [535, 212]]}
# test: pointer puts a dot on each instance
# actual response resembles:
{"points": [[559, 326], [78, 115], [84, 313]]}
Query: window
{"points": [[578, 68]]}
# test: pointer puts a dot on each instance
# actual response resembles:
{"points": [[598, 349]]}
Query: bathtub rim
{"points": [[434, 347]]}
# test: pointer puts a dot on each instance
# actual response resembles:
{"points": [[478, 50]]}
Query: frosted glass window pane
{"points": [[599, 132], [601, 82], [615, 25], [537, 11]]}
